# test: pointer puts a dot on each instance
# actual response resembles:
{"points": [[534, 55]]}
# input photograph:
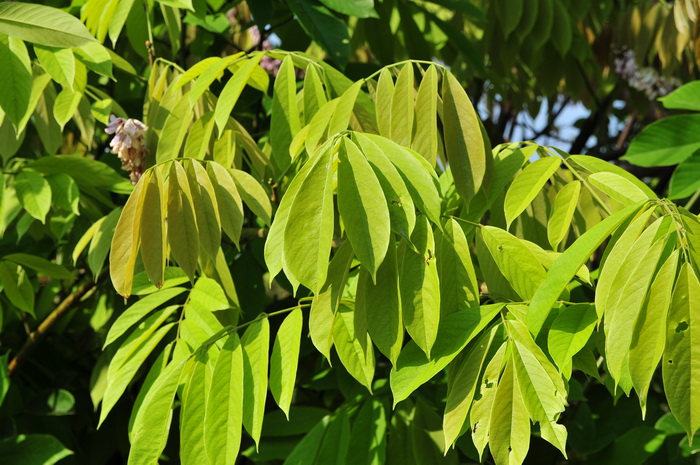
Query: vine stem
{"points": [[35, 337]]}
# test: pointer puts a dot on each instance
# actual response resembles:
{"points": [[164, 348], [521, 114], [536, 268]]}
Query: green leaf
{"points": [[116, 23], [58, 62], [686, 97], [515, 261], [617, 187], [563, 213], [480, 415], [420, 178], [150, 431], [256, 349], [681, 381], [138, 311], [204, 200], [425, 141], [193, 412], [383, 100], [101, 241], [623, 311], [402, 107], [649, 336], [34, 193], [15, 77], [207, 76], [569, 333], [131, 356], [66, 105], [336, 440], [420, 287], [98, 58], [314, 94], [174, 130], [665, 142], [413, 368], [152, 233], [325, 29], [65, 193], [509, 14], [616, 255], [228, 199], [42, 25], [464, 142], [459, 289], [344, 110], [362, 207], [562, 34], [380, 303], [463, 385], [368, 435], [325, 303], [32, 449], [306, 450], [566, 266], [84, 171], [199, 136], [232, 90], [356, 355], [16, 286], [183, 235], [527, 185], [285, 121], [509, 429], [359, 8], [402, 212], [40, 265], [686, 178], [253, 195], [224, 412], [596, 165], [124, 249], [306, 250], [284, 360]]}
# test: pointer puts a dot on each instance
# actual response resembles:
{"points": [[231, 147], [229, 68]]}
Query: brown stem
{"points": [[37, 336]]}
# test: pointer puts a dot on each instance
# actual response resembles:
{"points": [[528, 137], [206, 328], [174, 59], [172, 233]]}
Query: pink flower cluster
{"points": [[645, 79], [128, 144]]}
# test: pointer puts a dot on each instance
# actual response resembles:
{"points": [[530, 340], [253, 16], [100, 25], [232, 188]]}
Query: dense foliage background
{"points": [[243, 120]]}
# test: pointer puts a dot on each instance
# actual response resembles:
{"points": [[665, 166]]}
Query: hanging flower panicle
{"points": [[644, 79], [128, 144]]}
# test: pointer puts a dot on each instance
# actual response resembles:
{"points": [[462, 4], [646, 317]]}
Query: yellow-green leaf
{"points": [[563, 213], [284, 360], [527, 185], [402, 107], [152, 231], [355, 355], [425, 141], [256, 350], [183, 236], [125, 243]]}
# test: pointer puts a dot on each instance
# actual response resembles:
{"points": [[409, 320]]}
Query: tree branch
{"points": [[37, 336]]}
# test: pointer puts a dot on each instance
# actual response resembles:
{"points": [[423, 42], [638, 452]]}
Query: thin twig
{"points": [[37, 336]]}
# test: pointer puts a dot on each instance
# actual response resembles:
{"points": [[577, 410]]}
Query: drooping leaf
{"points": [[463, 385], [649, 336], [383, 97], [420, 287], [16, 286], [224, 412], [368, 435], [459, 289], [464, 143], [355, 355], [527, 185], [362, 207], [509, 429], [256, 350], [40, 265], [324, 28], [285, 122], [681, 382], [152, 233], [58, 62], [306, 249], [123, 253], [325, 303], [232, 90], [402, 107], [183, 235], [228, 199], [480, 414], [253, 195], [193, 413], [380, 303], [686, 97], [284, 360], [686, 178], [40, 449], [425, 140], [617, 187], [153, 418], [563, 213]]}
